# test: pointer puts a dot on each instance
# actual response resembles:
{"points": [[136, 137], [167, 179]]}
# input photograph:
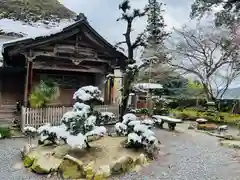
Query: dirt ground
{"points": [[105, 151]]}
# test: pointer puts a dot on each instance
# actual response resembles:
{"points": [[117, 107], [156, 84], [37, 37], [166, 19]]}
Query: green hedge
{"points": [[225, 105], [221, 117]]}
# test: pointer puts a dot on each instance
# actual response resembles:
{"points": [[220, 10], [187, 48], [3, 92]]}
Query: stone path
{"points": [[184, 156], [188, 156]]}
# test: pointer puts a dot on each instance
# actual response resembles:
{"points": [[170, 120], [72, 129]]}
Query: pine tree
{"points": [[156, 33]]}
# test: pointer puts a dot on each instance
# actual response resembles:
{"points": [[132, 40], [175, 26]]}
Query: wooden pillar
{"points": [[1, 79], [28, 81]]}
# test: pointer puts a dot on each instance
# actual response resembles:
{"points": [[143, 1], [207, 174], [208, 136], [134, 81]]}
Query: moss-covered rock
{"points": [[61, 151], [207, 127], [89, 171], [230, 144], [30, 157], [122, 165], [141, 160], [71, 168], [102, 173], [46, 164]]}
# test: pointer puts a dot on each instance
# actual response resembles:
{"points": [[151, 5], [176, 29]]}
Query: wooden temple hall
{"points": [[73, 57]]}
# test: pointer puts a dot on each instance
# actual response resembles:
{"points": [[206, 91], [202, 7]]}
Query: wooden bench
{"points": [[166, 119]]}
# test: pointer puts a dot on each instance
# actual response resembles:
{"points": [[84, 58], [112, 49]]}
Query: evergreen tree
{"points": [[156, 33]]}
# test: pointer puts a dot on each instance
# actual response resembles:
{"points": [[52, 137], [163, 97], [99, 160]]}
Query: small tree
{"points": [[44, 93], [79, 123]]}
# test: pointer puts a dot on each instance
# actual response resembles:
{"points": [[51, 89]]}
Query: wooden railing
{"points": [[37, 117]]}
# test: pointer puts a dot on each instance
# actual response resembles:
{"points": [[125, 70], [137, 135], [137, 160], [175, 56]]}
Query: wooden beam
{"points": [[52, 54], [49, 39], [89, 70]]}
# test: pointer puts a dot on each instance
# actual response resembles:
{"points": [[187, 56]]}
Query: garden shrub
{"points": [[79, 123], [5, 132], [161, 111], [138, 133]]}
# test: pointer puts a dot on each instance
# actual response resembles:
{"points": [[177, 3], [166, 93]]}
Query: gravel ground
{"points": [[184, 156]]}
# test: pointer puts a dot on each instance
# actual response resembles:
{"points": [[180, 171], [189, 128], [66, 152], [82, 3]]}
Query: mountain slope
{"points": [[34, 10]]}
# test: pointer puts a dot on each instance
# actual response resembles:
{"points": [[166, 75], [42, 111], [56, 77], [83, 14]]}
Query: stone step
{"points": [[7, 110]]}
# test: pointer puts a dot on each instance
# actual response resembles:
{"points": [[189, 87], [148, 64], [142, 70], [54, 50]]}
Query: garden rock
{"points": [[71, 168], [46, 164], [230, 144], [30, 157], [191, 126], [61, 151], [122, 165], [89, 171], [141, 160], [201, 120], [26, 149], [207, 127], [103, 172]]}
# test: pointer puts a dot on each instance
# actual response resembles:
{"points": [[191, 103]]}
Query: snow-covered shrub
{"points": [[138, 133], [79, 123], [108, 117], [30, 132]]}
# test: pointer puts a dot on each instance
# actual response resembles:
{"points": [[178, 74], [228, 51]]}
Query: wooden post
{"points": [[28, 81], [1, 79]]}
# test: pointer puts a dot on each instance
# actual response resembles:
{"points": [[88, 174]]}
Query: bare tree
{"points": [[129, 15], [208, 53]]}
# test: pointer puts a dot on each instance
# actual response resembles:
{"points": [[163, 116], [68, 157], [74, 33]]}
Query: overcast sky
{"points": [[102, 15]]}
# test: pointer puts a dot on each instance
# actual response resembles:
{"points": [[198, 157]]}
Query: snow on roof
{"points": [[146, 86], [31, 31]]}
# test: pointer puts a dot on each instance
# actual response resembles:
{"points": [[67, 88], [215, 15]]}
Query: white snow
{"points": [[201, 120], [31, 129], [146, 86], [109, 114], [120, 128], [129, 117], [134, 137], [134, 123], [148, 122], [76, 141], [87, 93], [81, 107], [98, 130], [140, 128], [90, 120], [33, 30], [157, 118], [44, 128], [170, 119], [223, 127]]}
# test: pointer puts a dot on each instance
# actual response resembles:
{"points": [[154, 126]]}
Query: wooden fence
{"points": [[36, 117]]}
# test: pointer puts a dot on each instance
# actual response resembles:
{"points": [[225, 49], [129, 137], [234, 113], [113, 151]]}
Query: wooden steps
{"points": [[8, 114]]}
